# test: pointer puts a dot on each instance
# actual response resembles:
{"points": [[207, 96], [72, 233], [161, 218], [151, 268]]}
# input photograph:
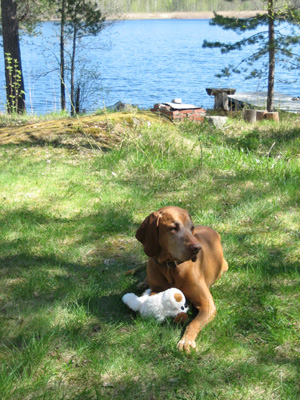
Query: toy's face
{"points": [[184, 308], [180, 303]]}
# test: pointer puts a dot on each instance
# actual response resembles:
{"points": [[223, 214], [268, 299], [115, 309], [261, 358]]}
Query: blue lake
{"points": [[140, 62]]}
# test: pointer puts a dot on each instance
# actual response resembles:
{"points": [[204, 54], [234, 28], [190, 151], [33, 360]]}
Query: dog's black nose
{"points": [[195, 248]]}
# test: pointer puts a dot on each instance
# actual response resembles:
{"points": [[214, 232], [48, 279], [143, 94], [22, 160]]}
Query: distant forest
{"points": [[151, 6]]}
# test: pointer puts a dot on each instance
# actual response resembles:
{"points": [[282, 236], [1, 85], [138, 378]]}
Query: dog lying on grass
{"points": [[184, 256]]}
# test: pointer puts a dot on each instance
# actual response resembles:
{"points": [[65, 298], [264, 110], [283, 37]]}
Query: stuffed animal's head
{"points": [[174, 301]]}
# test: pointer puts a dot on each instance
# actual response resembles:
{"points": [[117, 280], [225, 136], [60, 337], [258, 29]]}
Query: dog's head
{"points": [[168, 235]]}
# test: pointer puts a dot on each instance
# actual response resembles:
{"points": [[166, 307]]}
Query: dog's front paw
{"points": [[186, 344]]}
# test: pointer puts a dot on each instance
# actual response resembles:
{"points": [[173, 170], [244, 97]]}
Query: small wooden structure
{"points": [[252, 116], [177, 111], [249, 115], [221, 97]]}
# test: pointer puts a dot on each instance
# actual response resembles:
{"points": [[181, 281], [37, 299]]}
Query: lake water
{"points": [[140, 62]]}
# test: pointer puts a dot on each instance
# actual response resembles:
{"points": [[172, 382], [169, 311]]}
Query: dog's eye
{"points": [[174, 227], [182, 307], [192, 228]]}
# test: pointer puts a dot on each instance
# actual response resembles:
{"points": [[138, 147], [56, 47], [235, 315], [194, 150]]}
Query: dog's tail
{"points": [[132, 301]]}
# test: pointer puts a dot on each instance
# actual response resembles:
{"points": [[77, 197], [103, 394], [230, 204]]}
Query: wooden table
{"points": [[221, 97]]}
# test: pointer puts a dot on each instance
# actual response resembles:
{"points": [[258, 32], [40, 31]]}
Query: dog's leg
{"points": [[206, 313]]}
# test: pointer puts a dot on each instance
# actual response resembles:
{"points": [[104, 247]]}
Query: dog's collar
{"points": [[169, 264]]}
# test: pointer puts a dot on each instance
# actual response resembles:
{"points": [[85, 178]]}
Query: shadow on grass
{"points": [[71, 142], [255, 137], [41, 262]]}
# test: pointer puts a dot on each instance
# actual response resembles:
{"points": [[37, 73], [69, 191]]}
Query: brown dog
{"points": [[185, 257]]}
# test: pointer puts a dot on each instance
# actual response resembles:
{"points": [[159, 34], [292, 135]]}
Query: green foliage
{"points": [[239, 25], [249, 142], [84, 17], [31, 13], [14, 88], [284, 44]]}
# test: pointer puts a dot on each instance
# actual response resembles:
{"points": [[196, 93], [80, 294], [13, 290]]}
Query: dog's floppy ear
{"points": [[178, 297], [147, 234]]}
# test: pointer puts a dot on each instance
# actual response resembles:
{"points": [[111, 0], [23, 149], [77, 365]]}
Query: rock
{"points": [[217, 121], [119, 106]]}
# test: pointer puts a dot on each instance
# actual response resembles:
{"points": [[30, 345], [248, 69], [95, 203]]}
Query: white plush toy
{"points": [[170, 303]]}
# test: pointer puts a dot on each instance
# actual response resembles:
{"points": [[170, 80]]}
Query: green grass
{"points": [[67, 223], [17, 119]]}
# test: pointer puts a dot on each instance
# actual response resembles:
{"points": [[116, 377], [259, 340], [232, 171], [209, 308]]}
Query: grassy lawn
{"points": [[73, 193]]}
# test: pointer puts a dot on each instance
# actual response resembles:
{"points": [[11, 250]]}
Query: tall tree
{"points": [[15, 93], [271, 51], [62, 55], [271, 44], [82, 19]]}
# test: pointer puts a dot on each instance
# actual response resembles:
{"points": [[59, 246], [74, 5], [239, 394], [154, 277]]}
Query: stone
{"points": [[217, 121], [119, 106]]}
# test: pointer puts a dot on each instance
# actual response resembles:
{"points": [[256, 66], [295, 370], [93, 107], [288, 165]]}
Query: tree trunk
{"points": [[271, 75], [15, 93], [73, 70], [62, 56], [77, 100]]}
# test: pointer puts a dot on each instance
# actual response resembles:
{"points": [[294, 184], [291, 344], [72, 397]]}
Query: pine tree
{"points": [[81, 19], [271, 45]]}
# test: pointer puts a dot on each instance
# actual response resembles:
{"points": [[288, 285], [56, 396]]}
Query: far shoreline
{"points": [[190, 15]]}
